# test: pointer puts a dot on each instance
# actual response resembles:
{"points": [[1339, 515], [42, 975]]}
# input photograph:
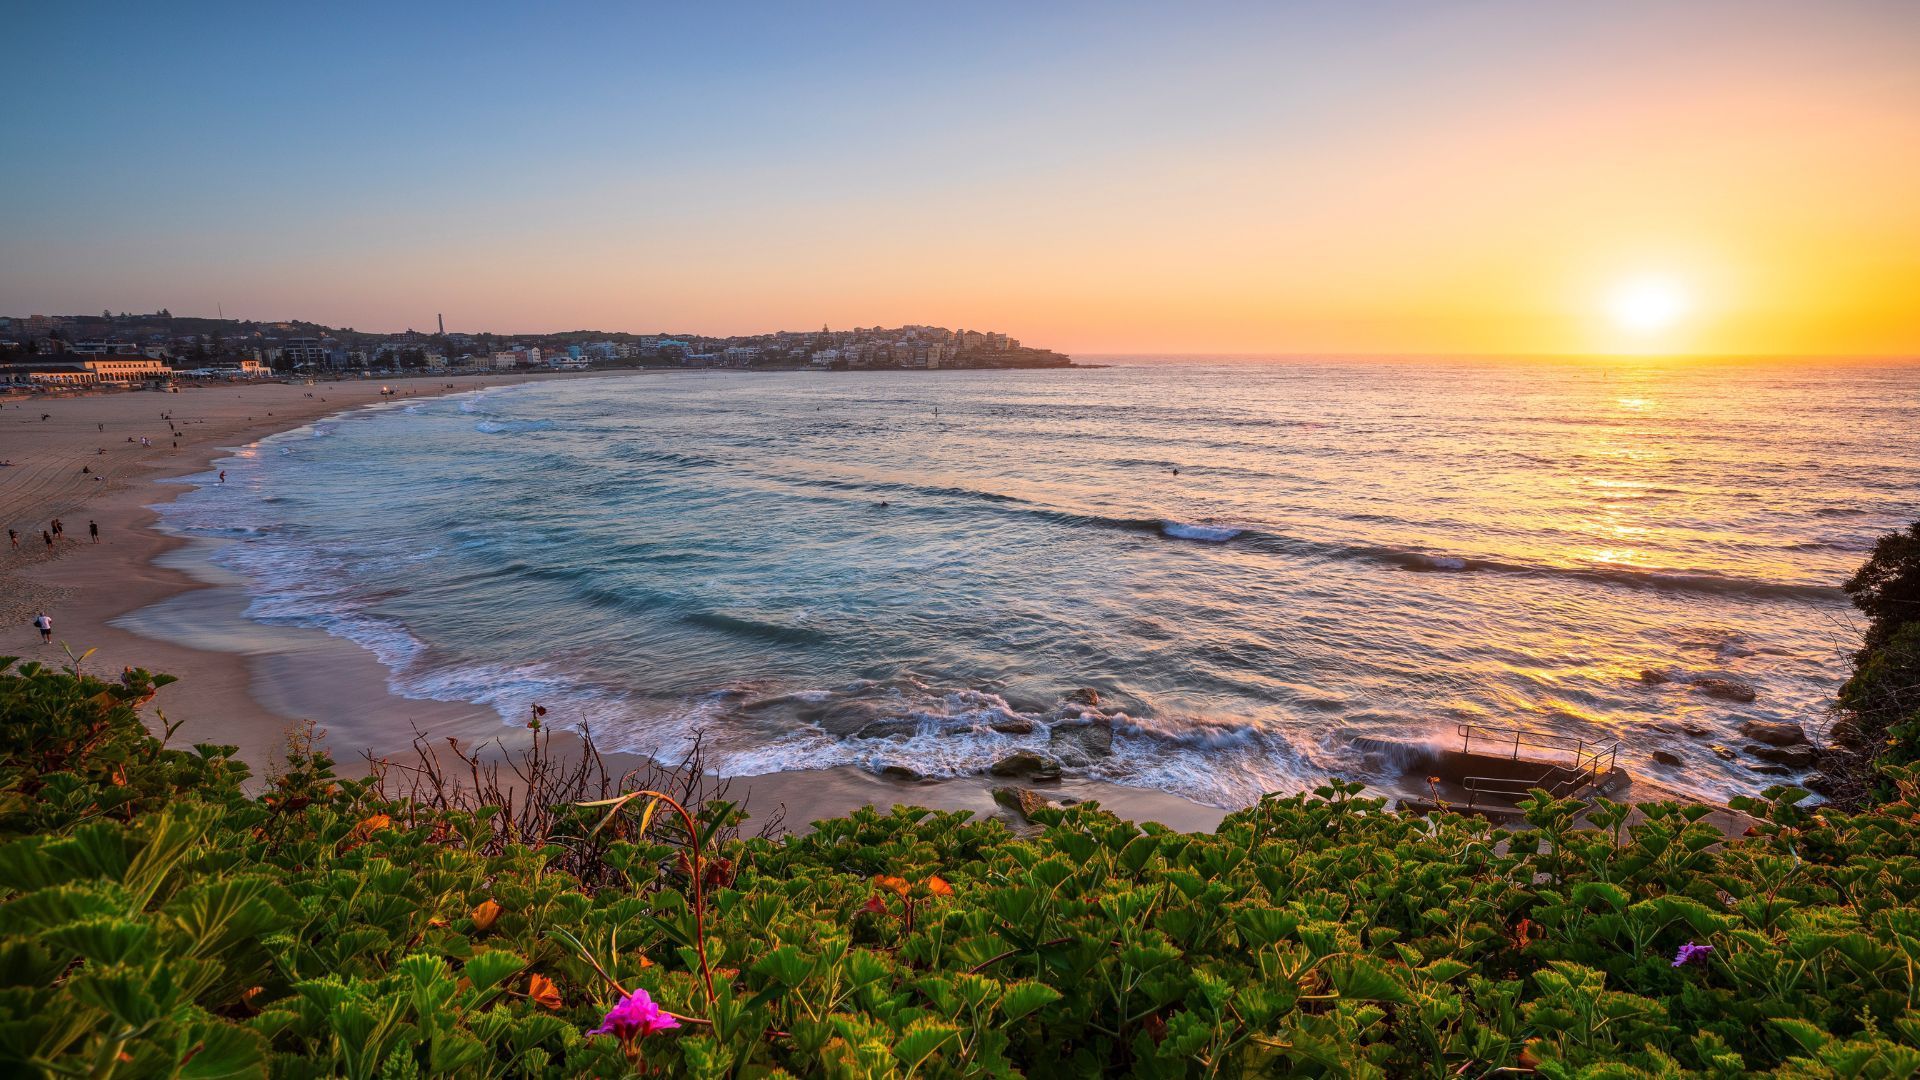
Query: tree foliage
{"points": [[1887, 587]]}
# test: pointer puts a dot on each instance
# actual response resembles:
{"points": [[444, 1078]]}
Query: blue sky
{"points": [[740, 167]]}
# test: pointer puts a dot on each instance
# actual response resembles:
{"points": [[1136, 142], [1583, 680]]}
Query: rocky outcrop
{"points": [[901, 772], [1028, 764], [1081, 744], [1774, 733], [1846, 735], [1024, 801], [1725, 688], [888, 728], [1802, 756], [1667, 757], [1821, 784]]}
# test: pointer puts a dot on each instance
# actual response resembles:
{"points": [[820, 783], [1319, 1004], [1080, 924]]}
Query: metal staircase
{"points": [[1564, 767]]}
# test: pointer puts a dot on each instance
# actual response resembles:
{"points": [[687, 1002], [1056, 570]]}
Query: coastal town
{"points": [[108, 348]]}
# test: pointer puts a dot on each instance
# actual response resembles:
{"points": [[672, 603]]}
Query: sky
{"points": [[1459, 177]]}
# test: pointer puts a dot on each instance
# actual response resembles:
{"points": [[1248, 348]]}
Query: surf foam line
{"points": [[962, 733], [1678, 581]]}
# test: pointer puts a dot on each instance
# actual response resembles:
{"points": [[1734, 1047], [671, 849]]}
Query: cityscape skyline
{"points": [[1478, 178]]}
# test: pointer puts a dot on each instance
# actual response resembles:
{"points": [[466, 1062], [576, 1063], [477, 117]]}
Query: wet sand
{"points": [[144, 598]]}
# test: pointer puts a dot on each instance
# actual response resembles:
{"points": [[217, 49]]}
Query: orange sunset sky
{"points": [[1475, 177]]}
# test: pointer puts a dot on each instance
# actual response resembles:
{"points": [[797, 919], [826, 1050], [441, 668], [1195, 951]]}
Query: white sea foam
{"points": [[1213, 534], [501, 427]]}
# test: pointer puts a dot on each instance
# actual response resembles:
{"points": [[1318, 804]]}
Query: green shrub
{"points": [[322, 930]]}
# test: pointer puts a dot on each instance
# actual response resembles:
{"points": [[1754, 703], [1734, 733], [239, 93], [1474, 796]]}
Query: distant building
{"points": [[249, 369], [303, 352], [125, 369], [88, 372], [104, 348]]}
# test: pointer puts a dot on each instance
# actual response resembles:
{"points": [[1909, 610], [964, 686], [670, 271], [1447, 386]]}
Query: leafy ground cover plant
{"points": [[158, 920]]}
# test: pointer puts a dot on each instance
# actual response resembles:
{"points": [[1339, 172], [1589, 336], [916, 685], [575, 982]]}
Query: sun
{"points": [[1648, 305]]}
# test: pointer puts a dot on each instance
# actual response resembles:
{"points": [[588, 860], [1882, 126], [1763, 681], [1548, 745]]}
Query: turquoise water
{"points": [[1347, 549]]}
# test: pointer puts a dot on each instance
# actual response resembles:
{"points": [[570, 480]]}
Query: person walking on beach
{"points": [[93, 527], [59, 529], [48, 537], [13, 537], [223, 476], [43, 622]]}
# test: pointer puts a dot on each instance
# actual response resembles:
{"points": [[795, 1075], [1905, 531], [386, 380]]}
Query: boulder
{"points": [[1086, 695], [1696, 731], [1846, 734], [1027, 763], [1722, 752], [1799, 757], [1769, 769], [1081, 744], [888, 728], [1774, 733], [1013, 725], [1655, 678], [1024, 801], [1725, 687], [1821, 784], [1667, 757], [901, 772]]}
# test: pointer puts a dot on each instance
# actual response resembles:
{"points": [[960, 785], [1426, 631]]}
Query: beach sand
{"points": [[143, 598]]}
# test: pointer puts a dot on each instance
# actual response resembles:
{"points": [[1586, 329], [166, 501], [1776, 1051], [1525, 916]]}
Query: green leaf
{"points": [[1024, 997], [1810, 1037], [222, 1051], [922, 1040], [1363, 979]]}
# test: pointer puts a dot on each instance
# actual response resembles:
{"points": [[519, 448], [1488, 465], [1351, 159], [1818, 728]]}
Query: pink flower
{"points": [[1689, 953], [636, 1014]]}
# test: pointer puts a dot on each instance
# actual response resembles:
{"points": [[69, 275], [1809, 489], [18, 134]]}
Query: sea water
{"points": [[1252, 564]]}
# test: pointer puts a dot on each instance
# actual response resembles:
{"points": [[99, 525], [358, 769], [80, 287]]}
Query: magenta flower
{"points": [[1689, 953], [636, 1014]]}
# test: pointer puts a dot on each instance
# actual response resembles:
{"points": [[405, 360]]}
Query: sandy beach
{"points": [[141, 597]]}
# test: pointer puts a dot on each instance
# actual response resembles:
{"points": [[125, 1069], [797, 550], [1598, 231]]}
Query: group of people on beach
{"points": [[55, 532]]}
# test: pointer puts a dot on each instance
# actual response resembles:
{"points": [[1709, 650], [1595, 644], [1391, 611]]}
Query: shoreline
{"points": [[146, 597]]}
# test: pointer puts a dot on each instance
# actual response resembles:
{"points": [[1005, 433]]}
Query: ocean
{"points": [[1264, 570]]}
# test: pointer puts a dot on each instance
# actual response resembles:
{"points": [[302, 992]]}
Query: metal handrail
{"points": [[1515, 738], [1590, 762]]}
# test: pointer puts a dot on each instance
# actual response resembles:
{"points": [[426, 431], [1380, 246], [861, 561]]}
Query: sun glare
{"points": [[1648, 305]]}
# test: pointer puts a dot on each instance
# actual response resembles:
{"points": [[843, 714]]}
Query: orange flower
{"points": [[896, 885], [543, 992], [368, 826], [485, 915], [938, 886]]}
